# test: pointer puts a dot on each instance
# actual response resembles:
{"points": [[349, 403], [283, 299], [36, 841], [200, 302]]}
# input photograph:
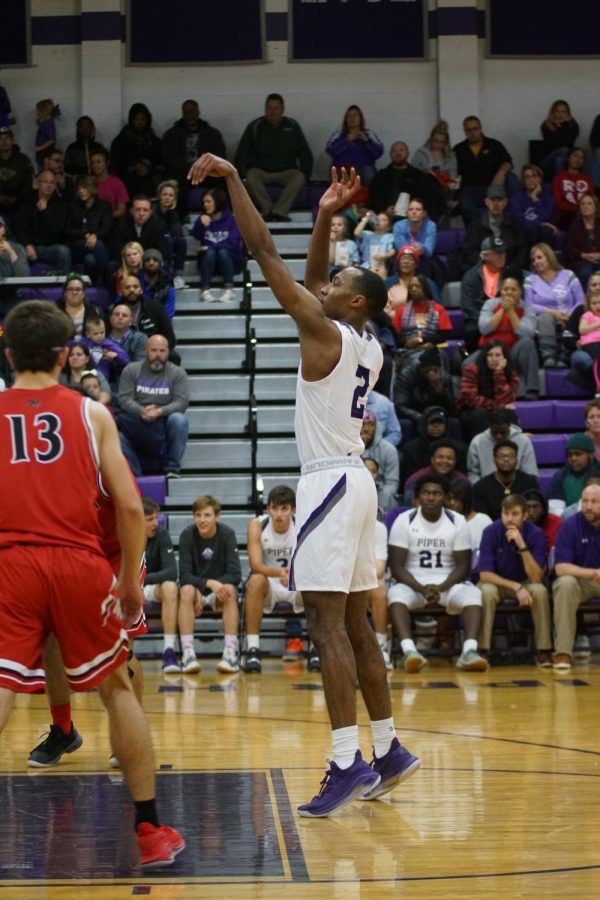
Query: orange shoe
{"points": [[294, 649], [158, 846]]}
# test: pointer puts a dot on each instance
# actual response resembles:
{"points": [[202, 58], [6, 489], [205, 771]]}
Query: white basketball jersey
{"points": [[277, 549], [430, 545], [329, 412]]}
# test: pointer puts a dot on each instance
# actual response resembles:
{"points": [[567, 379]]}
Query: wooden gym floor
{"points": [[506, 803]]}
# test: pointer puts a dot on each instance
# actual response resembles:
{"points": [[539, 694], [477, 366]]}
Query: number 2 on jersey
{"points": [[358, 405]]}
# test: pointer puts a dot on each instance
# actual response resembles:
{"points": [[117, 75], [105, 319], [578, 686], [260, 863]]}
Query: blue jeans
{"points": [[135, 443], [218, 260], [177, 253], [95, 261], [56, 255]]}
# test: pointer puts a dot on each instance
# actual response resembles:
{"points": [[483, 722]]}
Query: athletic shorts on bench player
{"points": [[277, 593], [66, 591], [459, 596], [336, 511]]}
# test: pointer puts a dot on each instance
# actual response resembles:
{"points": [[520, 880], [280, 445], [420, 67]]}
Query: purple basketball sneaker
{"points": [[341, 786], [395, 766]]}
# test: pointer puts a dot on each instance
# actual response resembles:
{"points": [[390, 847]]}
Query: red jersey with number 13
{"points": [[48, 469]]}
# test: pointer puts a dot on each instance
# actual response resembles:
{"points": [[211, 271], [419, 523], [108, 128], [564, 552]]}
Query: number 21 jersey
{"points": [[431, 545]]}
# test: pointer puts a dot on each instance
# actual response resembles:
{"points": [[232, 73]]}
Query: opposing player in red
{"points": [[56, 448]]}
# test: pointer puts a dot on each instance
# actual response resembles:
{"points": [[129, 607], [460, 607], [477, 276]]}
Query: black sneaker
{"points": [[252, 664], [49, 752], [314, 661]]}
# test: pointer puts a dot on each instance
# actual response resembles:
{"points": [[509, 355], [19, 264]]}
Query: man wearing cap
{"points": [[480, 161], [494, 222], [502, 424], [13, 264], [577, 565], [386, 457], [566, 485], [16, 174], [421, 385], [432, 426], [479, 284], [156, 281], [392, 187]]}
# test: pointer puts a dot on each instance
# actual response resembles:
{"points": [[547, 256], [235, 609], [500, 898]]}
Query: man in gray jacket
{"points": [[386, 457], [153, 397], [502, 424]]}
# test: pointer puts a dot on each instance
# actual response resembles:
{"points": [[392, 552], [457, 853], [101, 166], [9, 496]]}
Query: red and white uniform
{"points": [[55, 577]]}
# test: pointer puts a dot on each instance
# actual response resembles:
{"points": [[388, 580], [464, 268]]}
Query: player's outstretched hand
{"points": [[209, 165], [341, 189]]}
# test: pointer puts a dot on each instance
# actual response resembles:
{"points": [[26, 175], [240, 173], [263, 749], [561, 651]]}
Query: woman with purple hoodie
{"points": [[220, 245]]}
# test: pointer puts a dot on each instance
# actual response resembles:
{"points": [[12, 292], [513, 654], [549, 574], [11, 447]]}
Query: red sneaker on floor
{"points": [[158, 846], [294, 649]]}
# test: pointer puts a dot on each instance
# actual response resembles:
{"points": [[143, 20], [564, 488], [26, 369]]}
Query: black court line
{"points": [[470, 876], [291, 837]]}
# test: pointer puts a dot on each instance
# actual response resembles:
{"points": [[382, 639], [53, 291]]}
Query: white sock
{"points": [[470, 644], [187, 642], [381, 638], [408, 644], [231, 641], [169, 641], [383, 732], [345, 745], [252, 641]]}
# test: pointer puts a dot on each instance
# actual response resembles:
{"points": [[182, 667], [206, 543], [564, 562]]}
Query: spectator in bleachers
{"points": [[583, 238], [91, 386], [209, 575], [512, 321], [156, 281], [41, 224], [460, 499], [487, 382], [220, 245], [480, 283], [165, 210], [591, 416], [109, 187], [420, 231], [532, 207], [443, 457], [139, 225], [512, 565], [553, 292], [507, 478], [407, 262], [421, 384], [502, 424], [382, 328], [65, 185], [577, 556], [582, 362], [392, 187], [438, 575], [387, 420], [494, 223], [78, 155], [107, 356], [421, 322], [386, 456], [124, 334], [343, 252], [354, 145], [89, 230], [569, 185], [79, 360], [273, 150], [431, 427], [16, 175], [376, 241], [75, 303], [271, 542], [149, 317], [537, 512], [481, 161], [13, 264], [436, 158], [566, 484], [185, 142], [136, 152], [132, 260], [160, 584], [153, 397], [559, 133]]}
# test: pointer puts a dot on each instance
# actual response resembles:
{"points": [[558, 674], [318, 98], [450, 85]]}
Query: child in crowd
{"points": [[342, 251], [132, 259], [45, 137], [376, 245], [589, 335], [107, 356]]}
